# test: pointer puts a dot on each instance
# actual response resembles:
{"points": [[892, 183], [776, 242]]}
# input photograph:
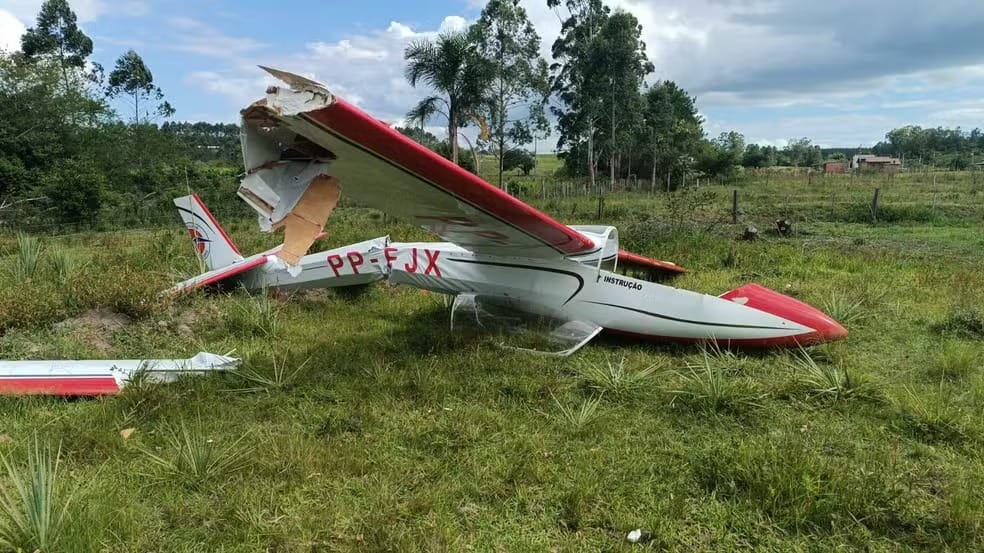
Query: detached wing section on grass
{"points": [[296, 134]]}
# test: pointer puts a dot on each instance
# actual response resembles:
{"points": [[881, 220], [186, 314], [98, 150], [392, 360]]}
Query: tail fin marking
{"points": [[211, 241]]}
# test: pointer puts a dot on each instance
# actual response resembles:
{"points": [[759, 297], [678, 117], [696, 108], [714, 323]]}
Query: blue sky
{"points": [[841, 72]]}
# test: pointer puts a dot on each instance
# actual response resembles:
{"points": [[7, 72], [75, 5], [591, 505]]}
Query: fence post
{"points": [[734, 207], [874, 206], [601, 206]]}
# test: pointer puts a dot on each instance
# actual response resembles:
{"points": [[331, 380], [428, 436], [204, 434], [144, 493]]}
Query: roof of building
{"points": [[876, 159]]}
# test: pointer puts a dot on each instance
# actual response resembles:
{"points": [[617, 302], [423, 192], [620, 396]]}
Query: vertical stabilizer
{"points": [[211, 242]]}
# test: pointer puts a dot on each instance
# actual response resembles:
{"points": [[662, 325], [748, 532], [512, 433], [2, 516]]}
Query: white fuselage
{"points": [[578, 291]]}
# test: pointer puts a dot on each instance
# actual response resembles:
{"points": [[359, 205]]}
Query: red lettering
{"points": [[411, 268], [432, 263], [335, 261], [390, 254], [355, 260]]}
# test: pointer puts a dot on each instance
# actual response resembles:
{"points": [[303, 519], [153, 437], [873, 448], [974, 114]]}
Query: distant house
{"points": [[873, 162], [833, 167]]}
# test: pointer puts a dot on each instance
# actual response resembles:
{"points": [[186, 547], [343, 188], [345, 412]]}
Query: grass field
{"points": [[359, 423]]}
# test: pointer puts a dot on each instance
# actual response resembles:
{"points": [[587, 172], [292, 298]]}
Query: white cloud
{"points": [[365, 69], [17, 15], [86, 10], [197, 37], [798, 68], [345, 49], [11, 30]]}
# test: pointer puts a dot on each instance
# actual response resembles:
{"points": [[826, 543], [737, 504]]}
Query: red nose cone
{"points": [[759, 297]]}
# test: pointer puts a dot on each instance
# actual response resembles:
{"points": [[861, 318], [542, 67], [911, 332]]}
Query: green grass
{"points": [[358, 422]]}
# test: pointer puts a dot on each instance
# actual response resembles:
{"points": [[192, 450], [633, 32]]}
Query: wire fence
{"points": [[930, 188]]}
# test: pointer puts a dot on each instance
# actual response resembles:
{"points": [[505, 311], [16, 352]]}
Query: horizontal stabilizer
{"points": [[218, 275], [633, 261]]}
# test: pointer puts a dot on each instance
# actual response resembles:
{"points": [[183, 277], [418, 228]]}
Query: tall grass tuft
{"points": [[64, 265], [281, 377], [954, 361], [579, 417], [826, 380], [846, 311], [709, 385], [34, 515], [255, 315], [29, 252], [617, 379], [935, 417], [194, 459]]}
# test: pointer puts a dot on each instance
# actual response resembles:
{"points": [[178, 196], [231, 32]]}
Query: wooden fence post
{"points": [[874, 206], [734, 207]]}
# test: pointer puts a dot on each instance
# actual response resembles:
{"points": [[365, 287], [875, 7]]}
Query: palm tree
{"points": [[450, 66]]}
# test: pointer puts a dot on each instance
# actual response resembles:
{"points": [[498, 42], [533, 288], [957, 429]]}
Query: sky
{"points": [[841, 72]]}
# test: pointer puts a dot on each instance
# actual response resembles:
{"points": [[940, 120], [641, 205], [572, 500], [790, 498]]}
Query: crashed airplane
{"points": [[501, 259]]}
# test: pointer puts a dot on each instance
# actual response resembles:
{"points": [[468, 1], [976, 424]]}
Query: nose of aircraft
{"points": [[825, 329]]}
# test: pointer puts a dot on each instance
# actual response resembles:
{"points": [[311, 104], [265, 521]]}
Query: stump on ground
{"points": [[784, 226]]}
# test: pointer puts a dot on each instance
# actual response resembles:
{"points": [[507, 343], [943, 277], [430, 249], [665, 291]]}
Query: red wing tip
{"points": [[648, 262], [756, 296]]}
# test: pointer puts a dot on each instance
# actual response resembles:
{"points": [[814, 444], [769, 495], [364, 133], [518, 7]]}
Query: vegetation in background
{"points": [[360, 422]]}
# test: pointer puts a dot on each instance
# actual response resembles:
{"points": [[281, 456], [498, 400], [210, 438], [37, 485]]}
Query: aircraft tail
{"points": [[211, 242]]}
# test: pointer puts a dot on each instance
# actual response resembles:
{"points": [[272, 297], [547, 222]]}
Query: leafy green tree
{"points": [[75, 190], [759, 156], [208, 142], [451, 66], [56, 35], [574, 81], [519, 159], [420, 136], [723, 155], [802, 153], [133, 78], [672, 127], [618, 59], [504, 35]]}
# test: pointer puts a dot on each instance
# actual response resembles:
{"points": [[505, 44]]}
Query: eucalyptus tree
{"points": [[572, 76], [132, 77], [519, 84], [57, 36]]}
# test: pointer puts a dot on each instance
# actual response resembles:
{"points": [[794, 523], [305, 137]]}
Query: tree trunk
{"points": [[611, 146], [536, 160], [652, 181], [453, 136], [501, 123], [591, 164]]}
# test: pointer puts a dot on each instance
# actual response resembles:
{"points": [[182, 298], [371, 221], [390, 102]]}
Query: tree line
{"points": [[609, 120], [85, 147]]}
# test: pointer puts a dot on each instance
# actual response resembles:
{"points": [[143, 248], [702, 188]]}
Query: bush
{"points": [[75, 190]]}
